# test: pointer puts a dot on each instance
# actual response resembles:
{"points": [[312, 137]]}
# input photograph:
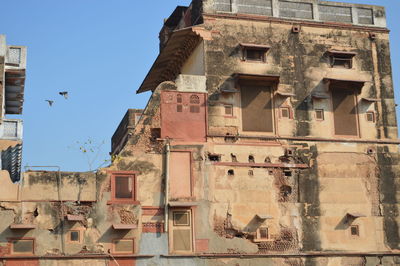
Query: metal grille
{"points": [[295, 10], [10, 129], [14, 55], [335, 13], [365, 16], [258, 7], [223, 5]]}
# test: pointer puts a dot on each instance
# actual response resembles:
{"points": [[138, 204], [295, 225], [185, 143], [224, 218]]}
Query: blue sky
{"points": [[99, 51]]}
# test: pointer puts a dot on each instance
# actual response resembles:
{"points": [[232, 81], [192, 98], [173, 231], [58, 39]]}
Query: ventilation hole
{"points": [[234, 159], [270, 172], [288, 173], [251, 173], [286, 190], [251, 159], [231, 172], [214, 157], [267, 160], [36, 213]]}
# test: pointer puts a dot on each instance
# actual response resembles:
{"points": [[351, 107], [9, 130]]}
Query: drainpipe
{"points": [[166, 193]]}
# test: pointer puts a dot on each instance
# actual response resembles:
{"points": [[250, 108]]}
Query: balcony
{"points": [[11, 129], [15, 67]]}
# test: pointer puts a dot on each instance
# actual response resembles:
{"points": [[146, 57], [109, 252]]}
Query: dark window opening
{"points": [[214, 157], [231, 172], [370, 116], [251, 173], [254, 54], [155, 133], [267, 160], [74, 236], [287, 173], [289, 152], [179, 108], [342, 60], [251, 159], [285, 112], [123, 187], [319, 114], [354, 230]]}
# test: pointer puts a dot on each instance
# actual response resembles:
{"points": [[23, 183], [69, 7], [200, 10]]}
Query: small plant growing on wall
{"points": [[92, 151]]}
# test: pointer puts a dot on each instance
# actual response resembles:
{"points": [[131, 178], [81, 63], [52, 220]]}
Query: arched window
{"points": [[179, 98], [194, 104], [194, 99]]}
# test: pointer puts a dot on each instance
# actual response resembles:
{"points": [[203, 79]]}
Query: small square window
{"points": [[181, 218], [341, 59], [252, 54], [74, 236], [123, 187], [319, 114], [370, 116], [255, 53], [22, 246], [123, 246], [354, 230], [262, 234], [285, 112], [228, 110]]}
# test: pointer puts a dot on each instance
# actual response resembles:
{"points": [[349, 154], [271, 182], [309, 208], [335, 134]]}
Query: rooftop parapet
{"points": [[127, 124], [309, 10]]}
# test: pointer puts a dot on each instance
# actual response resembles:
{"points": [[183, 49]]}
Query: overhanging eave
{"points": [[170, 60]]}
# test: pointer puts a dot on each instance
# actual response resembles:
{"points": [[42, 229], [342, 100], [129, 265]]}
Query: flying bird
{"points": [[50, 102], [64, 93]]}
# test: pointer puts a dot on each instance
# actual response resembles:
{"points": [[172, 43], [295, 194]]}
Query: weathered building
{"points": [[12, 83], [270, 138]]}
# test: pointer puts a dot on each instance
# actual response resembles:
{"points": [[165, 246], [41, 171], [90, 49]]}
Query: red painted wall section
{"points": [[183, 116], [122, 262], [180, 175], [202, 245]]}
